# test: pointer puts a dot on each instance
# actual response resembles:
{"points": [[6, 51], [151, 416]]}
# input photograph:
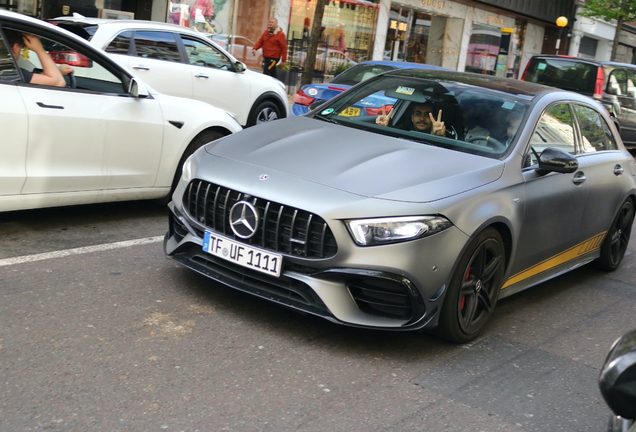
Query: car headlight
{"points": [[369, 232]]}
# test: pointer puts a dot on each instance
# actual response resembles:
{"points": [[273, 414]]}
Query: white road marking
{"points": [[78, 251]]}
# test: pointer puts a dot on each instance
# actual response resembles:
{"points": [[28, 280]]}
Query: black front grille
{"points": [[282, 229]]}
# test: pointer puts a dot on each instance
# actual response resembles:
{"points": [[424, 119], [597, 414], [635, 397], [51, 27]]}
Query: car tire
{"points": [[617, 238], [199, 141], [474, 288], [265, 111]]}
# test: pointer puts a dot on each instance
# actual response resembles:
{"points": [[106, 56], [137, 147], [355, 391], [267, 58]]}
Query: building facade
{"points": [[494, 37]]}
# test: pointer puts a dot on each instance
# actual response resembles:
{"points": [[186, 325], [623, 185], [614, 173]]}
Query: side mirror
{"points": [[239, 67], [137, 90], [617, 381], [556, 160]]}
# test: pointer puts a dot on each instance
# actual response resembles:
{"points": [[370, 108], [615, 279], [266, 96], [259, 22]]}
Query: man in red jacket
{"points": [[274, 44]]}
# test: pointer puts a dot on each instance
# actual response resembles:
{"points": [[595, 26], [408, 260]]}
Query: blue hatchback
{"points": [[311, 93]]}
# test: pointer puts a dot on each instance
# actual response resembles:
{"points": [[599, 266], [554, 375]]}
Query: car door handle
{"points": [[201, 76], [141, 67], [579, 178], [618, 170], [43, 105]]}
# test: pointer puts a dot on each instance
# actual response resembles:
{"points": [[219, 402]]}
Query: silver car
{"points": [[373, 221]]}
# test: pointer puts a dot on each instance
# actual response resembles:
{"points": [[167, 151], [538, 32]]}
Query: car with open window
{"points": [[181, 61], [420, 217], [105, 136]]}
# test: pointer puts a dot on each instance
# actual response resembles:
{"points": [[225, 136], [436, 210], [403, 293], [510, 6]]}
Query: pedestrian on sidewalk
{"points": [[274, 44]]}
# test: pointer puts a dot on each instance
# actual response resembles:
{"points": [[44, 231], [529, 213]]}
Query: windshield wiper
{"points": [[327, 119]]}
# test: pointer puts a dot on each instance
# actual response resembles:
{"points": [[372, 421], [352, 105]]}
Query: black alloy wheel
{"points": [[474, 288], [617, 238]]}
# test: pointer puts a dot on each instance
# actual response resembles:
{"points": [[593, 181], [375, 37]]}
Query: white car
{"points": [[180, 61], [106, 136]]}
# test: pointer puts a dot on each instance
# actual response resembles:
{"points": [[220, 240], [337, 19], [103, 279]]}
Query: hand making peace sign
{"points": [[384, 118], [438, 127]]}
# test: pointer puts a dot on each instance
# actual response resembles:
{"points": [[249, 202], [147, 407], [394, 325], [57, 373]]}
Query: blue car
{"points": [[371, 105]]}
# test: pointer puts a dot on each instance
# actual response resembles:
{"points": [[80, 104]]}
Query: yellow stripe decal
{"points": [[570, 254]]}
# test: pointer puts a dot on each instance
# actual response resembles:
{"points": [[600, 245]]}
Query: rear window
{"points": [[564, 74]]}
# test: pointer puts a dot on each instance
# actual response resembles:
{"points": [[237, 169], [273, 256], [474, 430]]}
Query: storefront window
{"points": [[346, 35], [483, 49], [395, 46], [208, 16], [418, 38]]}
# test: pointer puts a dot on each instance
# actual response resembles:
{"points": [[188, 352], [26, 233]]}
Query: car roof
{"points": [[46, 26], [141, 24], [506, 85], [402, 65], [582, 60]]}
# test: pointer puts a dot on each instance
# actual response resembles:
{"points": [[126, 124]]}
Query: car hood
{"points": [[358, 162]]}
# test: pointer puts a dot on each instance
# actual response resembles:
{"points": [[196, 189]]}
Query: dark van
{"points": [[612, 84]]}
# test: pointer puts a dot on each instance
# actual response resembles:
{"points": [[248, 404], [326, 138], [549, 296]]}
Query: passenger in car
{"points": [[51, 75], [473, 120], [422, 119]]}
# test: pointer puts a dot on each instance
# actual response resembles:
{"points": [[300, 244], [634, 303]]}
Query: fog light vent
{"points": [[381, 297]]}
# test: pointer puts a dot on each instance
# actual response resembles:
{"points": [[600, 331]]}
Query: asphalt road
{"points": [[101, 333]]}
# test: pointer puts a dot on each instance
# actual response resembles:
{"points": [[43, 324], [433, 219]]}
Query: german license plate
{"points": [[242, 254], [350, 112]]}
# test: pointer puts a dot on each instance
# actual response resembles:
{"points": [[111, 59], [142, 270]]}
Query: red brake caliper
{"points": [[462, 301]]}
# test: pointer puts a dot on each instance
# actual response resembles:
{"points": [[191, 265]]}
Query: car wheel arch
{"points": [[503, 227], [200, 139], [269, 97]]}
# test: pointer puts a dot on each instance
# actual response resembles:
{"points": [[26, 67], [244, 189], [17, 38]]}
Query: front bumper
{"points": [[361, 296]]}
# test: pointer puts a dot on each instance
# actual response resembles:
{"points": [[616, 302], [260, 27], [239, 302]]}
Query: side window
{"points": [[617, 82], [554, 129], [88, 73], [120, 44], [593, 134], [631, 83], [157, 45], [202, 54], [8, 71]]}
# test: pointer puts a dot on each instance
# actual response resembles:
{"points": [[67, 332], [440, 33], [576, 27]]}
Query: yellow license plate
{"points": [[350, 112]]}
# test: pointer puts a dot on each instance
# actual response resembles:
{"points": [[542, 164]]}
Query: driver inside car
{"points": [[51, 75], [422, 120]]}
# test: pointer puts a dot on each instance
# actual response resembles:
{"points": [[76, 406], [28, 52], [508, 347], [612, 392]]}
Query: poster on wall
{"points": [[207, 16]]}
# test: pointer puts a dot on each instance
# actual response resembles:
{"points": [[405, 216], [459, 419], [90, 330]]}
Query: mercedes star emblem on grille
{"points": [[244, 219]]}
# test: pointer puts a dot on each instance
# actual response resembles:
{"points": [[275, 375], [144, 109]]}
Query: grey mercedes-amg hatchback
{"points": [[463, 190]]}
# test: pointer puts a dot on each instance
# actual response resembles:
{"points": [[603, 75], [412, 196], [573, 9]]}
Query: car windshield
{"points": [[427, 108], [359, 73]]}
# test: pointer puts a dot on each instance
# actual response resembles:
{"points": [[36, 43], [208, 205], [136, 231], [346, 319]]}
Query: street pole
{"points": [[560, 22]]}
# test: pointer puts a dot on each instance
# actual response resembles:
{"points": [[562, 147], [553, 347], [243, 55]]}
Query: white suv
{"points": [[180, 61]]}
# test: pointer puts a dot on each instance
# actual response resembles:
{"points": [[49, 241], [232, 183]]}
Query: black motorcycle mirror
{"points": [[618, 377]]}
